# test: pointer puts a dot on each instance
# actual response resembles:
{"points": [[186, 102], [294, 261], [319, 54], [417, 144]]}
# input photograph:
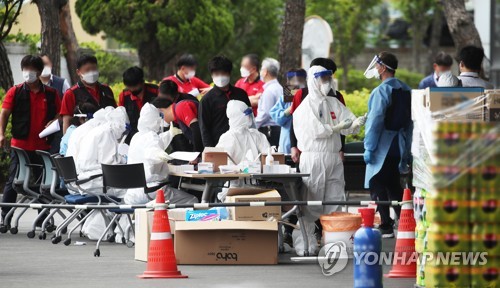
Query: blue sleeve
{"points": [[278, 112], [377, 106]]}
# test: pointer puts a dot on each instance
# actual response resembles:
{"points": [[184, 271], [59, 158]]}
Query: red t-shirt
{"points": [[251, 88], [138, 101], [188, 85], [185, 111], [38, 121], [69, 102]]}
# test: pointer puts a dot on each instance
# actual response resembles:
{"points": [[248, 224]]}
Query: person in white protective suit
{"points": [[447, 79], [100, 146], [148, 147], [318, 123], [241, 138]]}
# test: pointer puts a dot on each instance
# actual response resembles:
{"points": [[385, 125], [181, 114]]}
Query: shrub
{"points": [[357, 102], [357, 81]]}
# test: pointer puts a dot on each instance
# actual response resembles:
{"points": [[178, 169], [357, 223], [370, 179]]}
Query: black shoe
{"points": [[387, 231]]}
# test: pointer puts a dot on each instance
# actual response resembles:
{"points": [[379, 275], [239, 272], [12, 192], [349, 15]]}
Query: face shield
{"points": [[372, 71], [325, 80]]}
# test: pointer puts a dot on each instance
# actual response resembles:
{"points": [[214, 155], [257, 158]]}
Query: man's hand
{"points": [[50, 122], [288, 111], [295, 154], [342, 157], [204, 91]]}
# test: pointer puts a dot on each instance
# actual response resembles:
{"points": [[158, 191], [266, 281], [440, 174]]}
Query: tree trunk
{"points": [[6, 79], [51, 34], [290, 47], [462, 28], [154, 60], [69, 40], [437, 28]]}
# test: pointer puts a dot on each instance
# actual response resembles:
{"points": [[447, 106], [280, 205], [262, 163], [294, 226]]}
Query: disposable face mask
{"points": [[46, 72], [29, 76], [372, 73], [244, 72], [90, 77], [325, 88], [190, 74], [221, 81]]}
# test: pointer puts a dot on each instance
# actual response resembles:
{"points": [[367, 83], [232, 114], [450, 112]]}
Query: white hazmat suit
{"points": [[100, 146], [148, 147], [241, 138], [318, 123]]}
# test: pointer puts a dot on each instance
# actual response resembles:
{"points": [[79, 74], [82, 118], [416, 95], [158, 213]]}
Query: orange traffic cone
{"points": [[161, 256], [404, 264]]}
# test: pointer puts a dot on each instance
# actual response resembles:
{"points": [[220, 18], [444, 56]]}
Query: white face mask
{"points": [[90, 77], [244, 72], [325, 88], [372, 73], [221, 81], [29, 76], [190, 74], [46, 72]]}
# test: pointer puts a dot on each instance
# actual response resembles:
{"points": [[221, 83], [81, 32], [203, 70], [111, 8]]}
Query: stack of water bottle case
{"points": [[457, 194]]}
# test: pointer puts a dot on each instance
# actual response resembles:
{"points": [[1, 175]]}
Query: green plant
{"points": [[357, 80], [117, 89], [28, 39], [111, 65], [357, 102]]}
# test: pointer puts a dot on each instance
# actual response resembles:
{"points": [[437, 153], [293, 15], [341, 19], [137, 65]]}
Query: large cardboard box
{"points": [[493, 106], [215, 157], [144, 225], [227, 242], [245, 195], [441, 98]]}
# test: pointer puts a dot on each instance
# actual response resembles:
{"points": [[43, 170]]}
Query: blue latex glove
{"points": [[368, 156]]}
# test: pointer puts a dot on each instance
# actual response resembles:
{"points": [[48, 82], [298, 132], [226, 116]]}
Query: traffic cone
{"points": [[404, 264], [161, 256]]}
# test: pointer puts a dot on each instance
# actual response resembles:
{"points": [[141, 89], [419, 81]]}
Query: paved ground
{"points": [[34, 263]]}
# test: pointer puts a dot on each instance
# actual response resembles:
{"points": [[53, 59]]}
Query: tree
{"points": [[9, 11], [416, 13], [462, 28], [349, 20], [161, 29], [290, 49], [51, 34], [69, 41], [435, 37]]}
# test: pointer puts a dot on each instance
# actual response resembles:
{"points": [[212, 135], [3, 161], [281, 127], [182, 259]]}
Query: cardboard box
{"points": [[245, 195], [180, 168], [227, 242], [144, 225], [440, 98], [278, 157], [217, 158], [493, 106]]}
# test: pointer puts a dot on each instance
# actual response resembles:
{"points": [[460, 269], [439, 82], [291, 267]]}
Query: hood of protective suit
{"points": [[149, 119], [447, 79], [239, 115], [314, 83], [118, 120]]}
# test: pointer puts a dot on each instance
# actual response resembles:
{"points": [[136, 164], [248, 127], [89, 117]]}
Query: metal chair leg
{"points": [[97, 252]]}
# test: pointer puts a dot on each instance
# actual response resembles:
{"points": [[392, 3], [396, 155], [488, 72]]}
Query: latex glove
{"points": [[163, 156], [174, 130], [369, 157], [358, 122], [288, 111], [342, 125]]}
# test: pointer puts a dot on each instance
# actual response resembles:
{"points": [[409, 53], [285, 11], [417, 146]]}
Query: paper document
{"points": [[51, 129], [185, 156]]}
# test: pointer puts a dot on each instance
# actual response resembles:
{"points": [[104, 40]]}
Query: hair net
{"points": [[447, 79], [149, 119], [239, 114]]}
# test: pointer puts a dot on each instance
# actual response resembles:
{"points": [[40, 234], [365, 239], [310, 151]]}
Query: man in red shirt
{"points": [[185, 77], [184, 114], [250, 80], [33, 107], [87, 90], [135, 94]]}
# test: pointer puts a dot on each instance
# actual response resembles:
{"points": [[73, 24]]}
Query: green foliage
{"points": [[349, 20], [357, 102], [111, 65], [414, 9], [28, 39], [117, 89], [9, 11], [357, 80], [4, 163]]}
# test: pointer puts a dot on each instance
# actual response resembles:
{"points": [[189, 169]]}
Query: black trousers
{"points": [[9, 194], [272, 133], [385, 186]]}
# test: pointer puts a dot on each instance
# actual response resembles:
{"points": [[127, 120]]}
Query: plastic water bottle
{"points": [[367, 248]]}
